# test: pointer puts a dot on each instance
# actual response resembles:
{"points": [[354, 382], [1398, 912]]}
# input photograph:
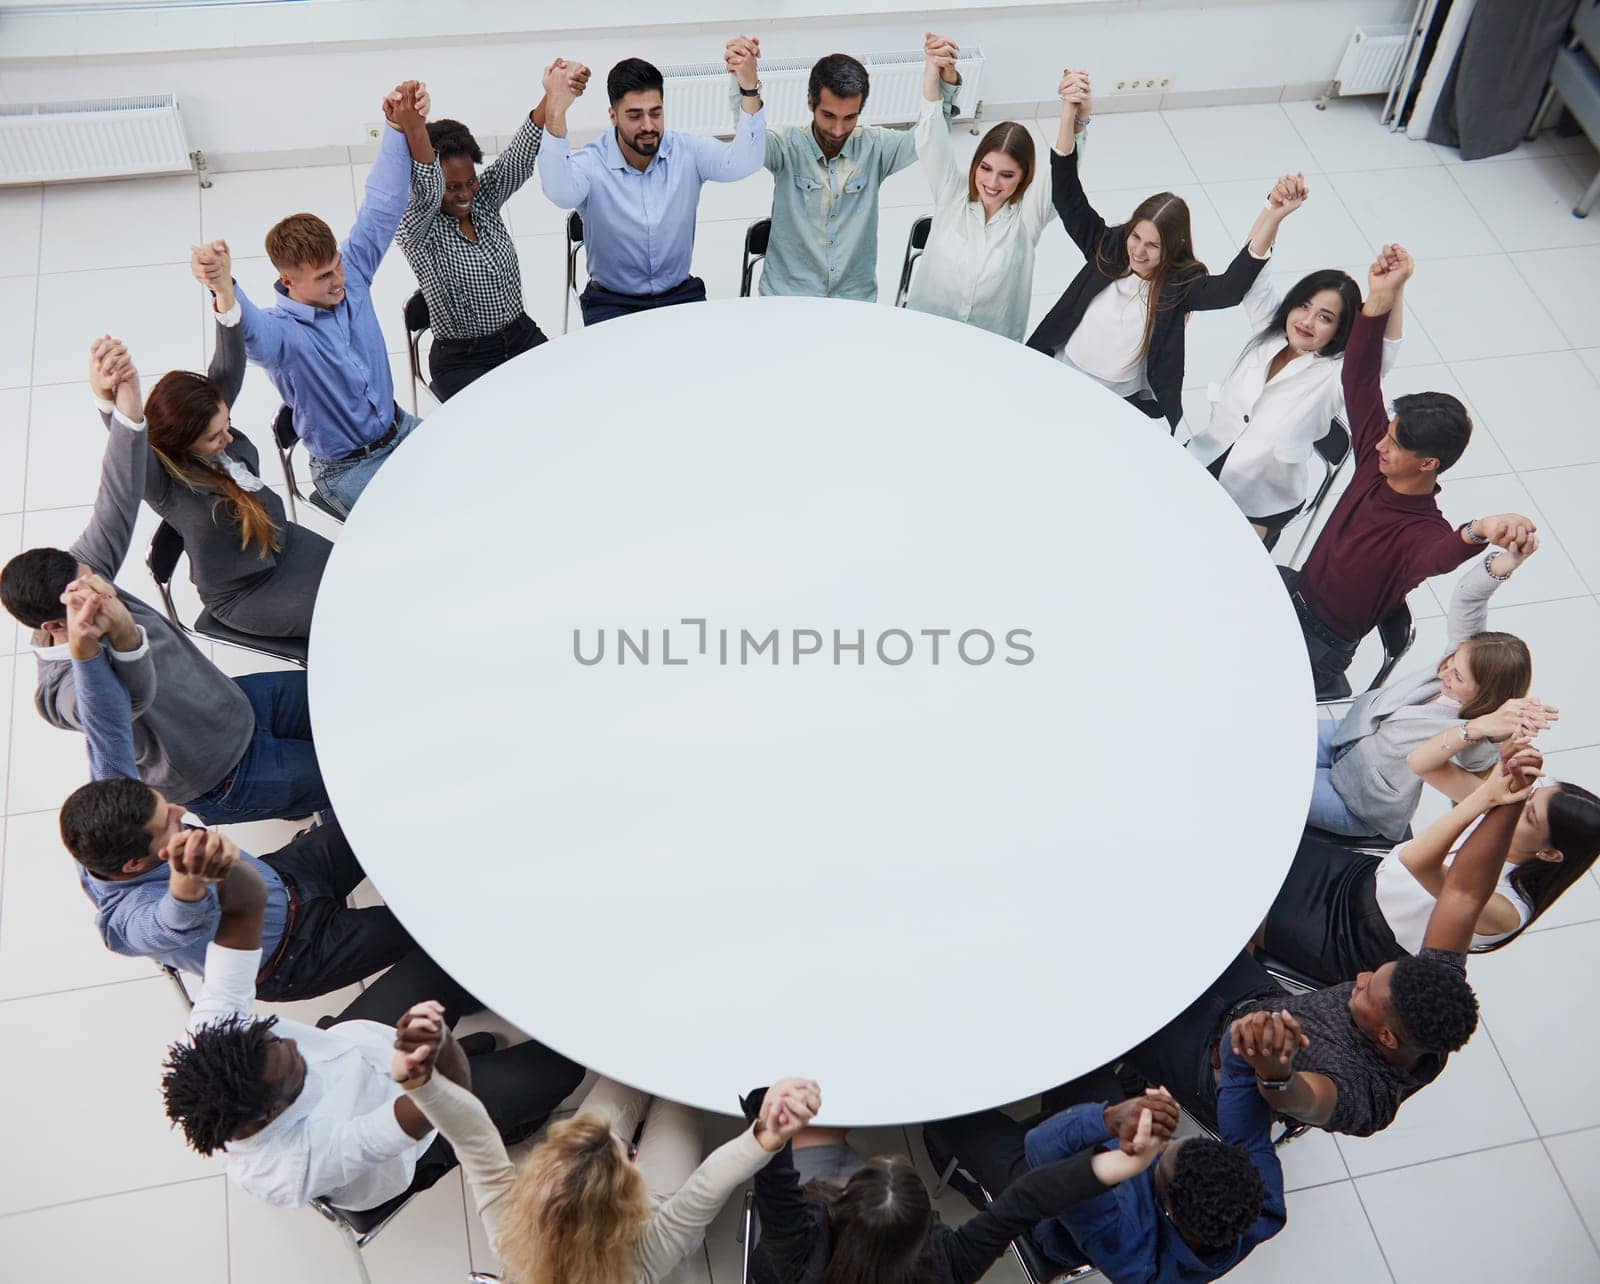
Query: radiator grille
{"points": [[1371, 61], [91, 138]]}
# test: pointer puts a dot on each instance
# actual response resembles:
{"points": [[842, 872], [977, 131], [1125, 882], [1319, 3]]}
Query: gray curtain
{"points": [[1500, 74]]}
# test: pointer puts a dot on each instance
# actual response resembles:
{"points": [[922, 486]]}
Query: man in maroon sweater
{"points": [[1386, 534]]}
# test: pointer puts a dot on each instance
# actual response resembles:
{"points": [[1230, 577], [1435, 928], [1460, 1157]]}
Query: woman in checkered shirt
{"points": [[461, 250]]}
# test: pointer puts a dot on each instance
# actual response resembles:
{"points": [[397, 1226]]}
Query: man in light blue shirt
{"points": [[125, 835], [826, 176], [321, 343], [637, 188]]}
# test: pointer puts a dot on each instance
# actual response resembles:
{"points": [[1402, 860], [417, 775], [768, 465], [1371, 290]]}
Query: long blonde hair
{"points": [[575, 1210]]}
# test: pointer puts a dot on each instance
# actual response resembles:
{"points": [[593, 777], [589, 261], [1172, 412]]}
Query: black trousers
{"points": [[1178, 1056], [454, 363], [519, 1086], [1330, 654], [600, 304], [332, 946]]}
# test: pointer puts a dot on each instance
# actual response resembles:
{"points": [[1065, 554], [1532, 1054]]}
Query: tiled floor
{"points": [[1493, 1172]]}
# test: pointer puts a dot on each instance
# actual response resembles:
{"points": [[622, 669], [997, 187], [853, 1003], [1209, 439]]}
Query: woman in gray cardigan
{"points": [[1369, 772], [256, 570]]}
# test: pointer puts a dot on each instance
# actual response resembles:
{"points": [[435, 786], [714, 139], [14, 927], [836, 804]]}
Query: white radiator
{"points": [[92, 138], [1372, 60], [697, 95]]}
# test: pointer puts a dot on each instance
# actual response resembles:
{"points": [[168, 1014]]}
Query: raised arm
{"points": [[104, 710], [228, 359], [717, 161], [1229, 289], [562, 177], [1473, 874], [514, 166], [103, 546], [1288, 194], [231, 308], [931, 137], [1366, 416], [389, 182]]}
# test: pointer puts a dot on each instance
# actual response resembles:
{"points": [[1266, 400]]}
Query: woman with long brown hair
{"points": [[254, 569], [978, 263], [1439, 725], [589, 1204], [1121, 320]]}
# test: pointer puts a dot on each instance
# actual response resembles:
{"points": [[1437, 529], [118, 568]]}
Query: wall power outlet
{"points": [[1141, 84]]}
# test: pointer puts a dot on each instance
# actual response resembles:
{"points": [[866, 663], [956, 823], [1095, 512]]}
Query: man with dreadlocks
{"points": [[301, 1112]]}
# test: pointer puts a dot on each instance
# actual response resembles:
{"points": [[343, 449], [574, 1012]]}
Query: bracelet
{"points": [[1487, 560], [1472, 537], [1466, 739], [1274, 1085]]}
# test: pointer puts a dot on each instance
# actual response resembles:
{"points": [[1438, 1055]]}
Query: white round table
{"points": [[932, 884]]}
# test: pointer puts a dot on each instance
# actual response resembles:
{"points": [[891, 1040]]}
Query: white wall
{"points": [[271, 99]]}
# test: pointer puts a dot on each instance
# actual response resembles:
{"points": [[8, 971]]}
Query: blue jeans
{"points": [[1328, 810], [278, 777], [341, 481]]}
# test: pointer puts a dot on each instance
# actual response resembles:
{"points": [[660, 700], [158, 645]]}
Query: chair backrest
{"points": [[416, 313], [915, 244], [1397, 632], [919, 233], [166, 547], [574, 228], [1334, 446], [283, 429], [756, 237]]}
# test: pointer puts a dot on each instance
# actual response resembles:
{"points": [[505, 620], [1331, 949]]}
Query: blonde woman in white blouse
{"points": [[978, 264], [1283, 391]]}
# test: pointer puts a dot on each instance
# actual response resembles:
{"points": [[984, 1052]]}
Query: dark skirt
{"points": [[279, 603], [1326, 921]]}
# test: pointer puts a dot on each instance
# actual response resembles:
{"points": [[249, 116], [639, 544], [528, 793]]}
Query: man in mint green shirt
{"points": [[826, 177]]}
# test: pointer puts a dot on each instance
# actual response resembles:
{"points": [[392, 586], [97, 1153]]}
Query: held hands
{"points": [[1269, 1043], [1288, 194], [1140, 1150], [939, 57], [741, 56], [1522, 718], [1156, 1108], [405, 106], [202, 856], [85, 627], [212, 266], [113, 376], [1514, 776], [790, 1104], [1074, 92], [562, 83], [1510, 531], [419, 1035], [113, 620], [1390, 270]]}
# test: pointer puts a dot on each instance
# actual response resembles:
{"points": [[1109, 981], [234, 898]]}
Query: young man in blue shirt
{"points": [[637, 187], [1190, 1218], [321, 343]]}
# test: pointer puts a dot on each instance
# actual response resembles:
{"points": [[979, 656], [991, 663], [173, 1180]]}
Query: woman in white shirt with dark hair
{"points": [[978, 263], [1282, 393]]}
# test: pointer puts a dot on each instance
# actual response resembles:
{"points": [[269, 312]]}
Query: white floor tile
{"points": [[1508, 983], [17, 296], [19, 229], [1312, 1159], [1327, 1240], [48, 941], [1450, 298], [1560, 635], [1319, 234], [1548, 574], [1535, 406], [1498, 1213], [1565, 282], [1591, 358], [391, 287], [1528, 203], [1347, 135], [1566, 495], [719, 257], [427, 1241], [1254, 141], [129, 223], [241, 206], [66, 442], [1547, 144], [544, 280], [1129, 149], [55, 1131], [1471, 1106], [1577, 1159], [157, 311], [116, 1237], [46, 764], [13, 447], [1422, 209]]}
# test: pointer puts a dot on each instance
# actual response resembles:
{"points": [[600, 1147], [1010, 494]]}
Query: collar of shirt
{"points": [[62, 651], [611, 151], [299, 311], [850, 151]]}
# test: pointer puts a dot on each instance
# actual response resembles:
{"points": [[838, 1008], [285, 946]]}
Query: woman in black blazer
{"points": [[1153, 247]]}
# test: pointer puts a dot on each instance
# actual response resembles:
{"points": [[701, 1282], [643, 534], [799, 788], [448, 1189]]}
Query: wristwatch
{"points": [[1470, 536], [1274, 1085], [750, 93]]}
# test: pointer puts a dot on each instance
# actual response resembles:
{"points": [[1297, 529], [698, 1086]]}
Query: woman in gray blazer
{"points": [[1475, 697], [256, 570]]}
